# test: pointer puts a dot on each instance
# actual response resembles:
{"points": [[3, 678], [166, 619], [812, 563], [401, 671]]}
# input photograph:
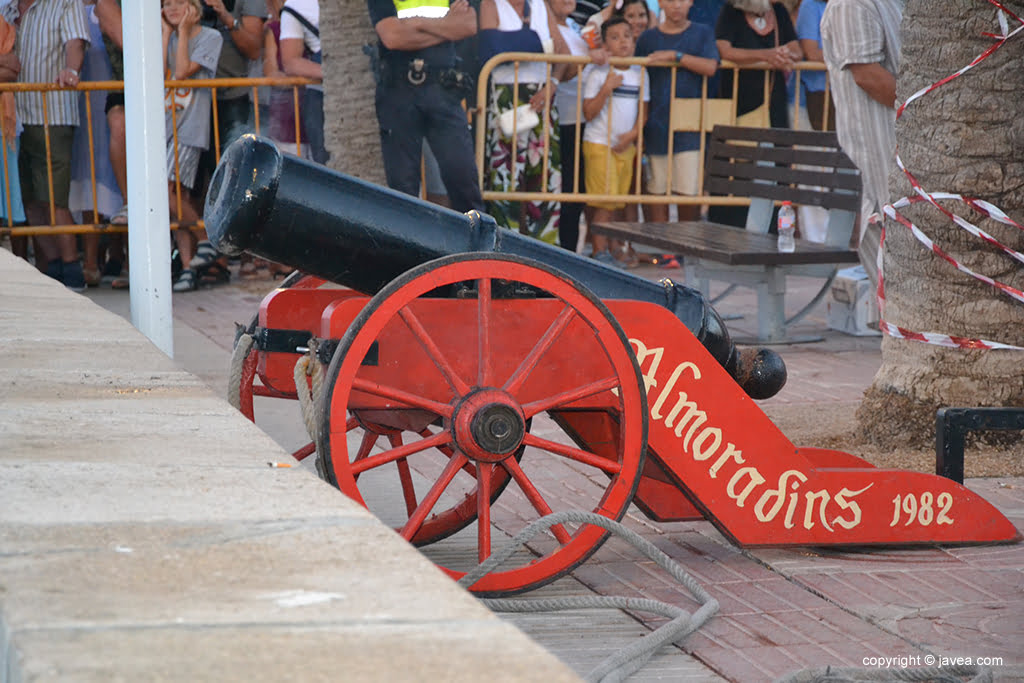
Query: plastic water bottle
{"points": [[787, 227]]}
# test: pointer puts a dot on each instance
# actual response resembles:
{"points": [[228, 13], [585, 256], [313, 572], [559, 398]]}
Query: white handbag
{"points": [[523, 118]]}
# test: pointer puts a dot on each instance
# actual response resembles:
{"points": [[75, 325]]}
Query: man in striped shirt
{"points": [[52, 37], [861, 44]]}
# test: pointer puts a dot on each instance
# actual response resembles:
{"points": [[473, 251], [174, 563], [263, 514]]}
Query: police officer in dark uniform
{"points": [[419, 94]]}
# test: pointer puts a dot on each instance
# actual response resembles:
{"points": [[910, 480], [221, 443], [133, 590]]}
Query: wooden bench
{"points": [[767, 165]]}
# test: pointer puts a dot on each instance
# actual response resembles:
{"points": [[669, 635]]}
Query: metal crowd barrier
{"points": [[692, 115], [689, 115], [116, 86]]}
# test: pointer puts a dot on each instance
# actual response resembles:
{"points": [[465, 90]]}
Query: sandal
{"points": [[186, 282], [669, 261], [247, 270], [92, 277], [206, 255], [216, 274]]}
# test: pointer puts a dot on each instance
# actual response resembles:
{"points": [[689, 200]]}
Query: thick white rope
{"points": [[629, 659], [309, 366]]}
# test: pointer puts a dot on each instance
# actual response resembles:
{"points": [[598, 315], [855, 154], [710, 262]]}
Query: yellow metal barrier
{"points": [[685, 112], [689, 114], [116, 86]]}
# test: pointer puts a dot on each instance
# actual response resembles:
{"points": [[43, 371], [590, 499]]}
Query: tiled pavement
{"points": [[782, 610]]}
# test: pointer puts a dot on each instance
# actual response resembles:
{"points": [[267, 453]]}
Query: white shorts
{"points": [[685, 172]]}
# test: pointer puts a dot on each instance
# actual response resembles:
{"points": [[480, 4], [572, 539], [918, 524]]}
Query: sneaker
{"points": [[74, 277], [186, 282], [111, 271], [112, 268], [206, 254], [55, 269], [604, 256], [669, 261], [121, 217]]}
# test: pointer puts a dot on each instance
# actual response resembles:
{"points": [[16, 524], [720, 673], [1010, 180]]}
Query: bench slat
{"points": [[827, 157], [778, 136], [747, 188], [723, 243], [787, 175]]}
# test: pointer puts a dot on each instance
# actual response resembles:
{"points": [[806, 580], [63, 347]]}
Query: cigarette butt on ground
{"points": [[278, 464]]}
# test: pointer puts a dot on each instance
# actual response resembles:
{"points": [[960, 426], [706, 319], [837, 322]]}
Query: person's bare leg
{"points": [[184, 238], [91, 258], [67, 244], [600, 242], [45, 247], [631, 214], [687, 212], [656, 213], [118, 148]]}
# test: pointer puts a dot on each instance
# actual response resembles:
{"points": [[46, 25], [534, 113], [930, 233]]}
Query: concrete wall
{"points": [[144, 537]]}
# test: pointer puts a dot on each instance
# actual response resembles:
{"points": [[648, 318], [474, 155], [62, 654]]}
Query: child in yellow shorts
{"points": [[612, 106]]}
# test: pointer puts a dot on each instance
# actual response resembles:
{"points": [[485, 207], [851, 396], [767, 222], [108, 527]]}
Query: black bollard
{"points": [[324, 223]]}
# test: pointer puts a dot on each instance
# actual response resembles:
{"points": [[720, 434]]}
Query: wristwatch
{"points": [[679, 56], [237, 24]]}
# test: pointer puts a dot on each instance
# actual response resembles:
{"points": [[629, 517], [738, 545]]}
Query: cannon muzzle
{"points": [[361, 235]]}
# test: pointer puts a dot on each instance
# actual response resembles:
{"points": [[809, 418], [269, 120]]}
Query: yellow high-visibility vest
{"points": [[433, 9]]}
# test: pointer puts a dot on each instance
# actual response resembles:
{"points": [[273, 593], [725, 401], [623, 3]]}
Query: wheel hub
{"points": [[489, 425]]}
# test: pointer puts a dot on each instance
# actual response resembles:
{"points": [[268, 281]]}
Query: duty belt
{"points": [[417, 72]]}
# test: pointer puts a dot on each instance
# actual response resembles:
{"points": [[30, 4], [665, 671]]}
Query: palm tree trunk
{"points": [[350, 121], [965, 137]]}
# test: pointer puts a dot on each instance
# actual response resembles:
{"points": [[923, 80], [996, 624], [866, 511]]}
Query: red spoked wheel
{"points": [[462, 353], [442, 523]]}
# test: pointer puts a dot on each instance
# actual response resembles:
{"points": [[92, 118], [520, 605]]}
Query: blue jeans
{"points": [[313, 123]]}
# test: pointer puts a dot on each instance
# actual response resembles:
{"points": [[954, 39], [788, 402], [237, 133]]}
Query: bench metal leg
{"points": [[693, 279], [696, 279], [771, 312], [771, 307]]}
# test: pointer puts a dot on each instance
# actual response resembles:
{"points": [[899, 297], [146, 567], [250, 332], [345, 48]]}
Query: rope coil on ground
{"points": [[242, 349], [628, 660]]}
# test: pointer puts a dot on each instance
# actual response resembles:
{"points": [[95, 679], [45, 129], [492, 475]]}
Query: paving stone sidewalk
{"points": [[782, 610]]}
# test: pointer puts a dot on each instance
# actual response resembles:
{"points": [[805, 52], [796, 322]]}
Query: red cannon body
{"points": [[466, 394]]}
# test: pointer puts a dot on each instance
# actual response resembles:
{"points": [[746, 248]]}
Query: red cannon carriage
{"points": [[471, 385]]}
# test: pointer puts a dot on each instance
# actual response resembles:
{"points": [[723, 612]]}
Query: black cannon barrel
{"points": [[286, 209]]}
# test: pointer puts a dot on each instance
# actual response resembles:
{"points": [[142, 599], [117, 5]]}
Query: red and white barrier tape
{"points": [[985, 208]]}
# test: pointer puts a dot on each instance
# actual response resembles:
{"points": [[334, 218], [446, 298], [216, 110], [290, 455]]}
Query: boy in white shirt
{"points": [[612, 107]]}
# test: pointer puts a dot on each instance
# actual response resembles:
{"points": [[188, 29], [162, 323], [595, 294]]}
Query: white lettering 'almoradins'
{"points": [[744, 483]]}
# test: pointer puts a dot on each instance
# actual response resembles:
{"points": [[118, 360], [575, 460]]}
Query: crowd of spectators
{"points": [[537, 113], [50, 148], [692, 37]]}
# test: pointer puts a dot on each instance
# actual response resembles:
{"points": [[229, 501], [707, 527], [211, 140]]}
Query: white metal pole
{"points": [[149, 254]]}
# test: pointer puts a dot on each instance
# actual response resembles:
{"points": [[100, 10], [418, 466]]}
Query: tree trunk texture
{"points": [[350, 119], [965, 137]]}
